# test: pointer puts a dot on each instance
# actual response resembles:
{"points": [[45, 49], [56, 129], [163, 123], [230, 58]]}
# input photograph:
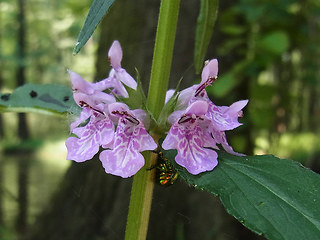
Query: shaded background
{"points": [[268, 53]]}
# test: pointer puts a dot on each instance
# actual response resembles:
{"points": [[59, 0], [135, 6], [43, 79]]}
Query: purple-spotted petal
{"points": [[142, 116], [196, 159], [198, 108], [98, 131], [84, 115], [210, 70], [190, 140], [225, 118], [118, 107], [190, 136], [125, 159], [93, 100], [115, 55], [81, 150]]}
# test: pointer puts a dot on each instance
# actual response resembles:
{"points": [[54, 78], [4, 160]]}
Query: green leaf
{"points": [[40, 98], [275, 42], [277, 198], [233, 29], [204, 30], [97, 11], [169, 107]]}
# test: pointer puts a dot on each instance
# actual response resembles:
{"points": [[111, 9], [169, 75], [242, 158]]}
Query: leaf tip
{"points": [[76, 48]]}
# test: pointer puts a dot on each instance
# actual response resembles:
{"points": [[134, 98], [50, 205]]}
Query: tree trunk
{"points": [[23, 133]]}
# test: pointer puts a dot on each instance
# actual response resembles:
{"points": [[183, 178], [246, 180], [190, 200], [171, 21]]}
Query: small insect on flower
{"points": [[166, 175]]}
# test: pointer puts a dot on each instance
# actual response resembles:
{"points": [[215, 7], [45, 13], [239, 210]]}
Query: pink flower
{"points": [[131, 138], [88, 93], [190, 136], [117, 75], [202, 124], [94, 128], [98, 131]]}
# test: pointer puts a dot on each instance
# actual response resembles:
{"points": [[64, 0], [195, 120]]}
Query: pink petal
{"points": [[210, 70], [185, 96], [198, 108], [220, 138], [118, 88], [84, 115], [121, 162], [238, 106], [79, 84], [99, 131], [190, 139], [197, 161], [124, 159], [175, 116], [81, 150], [142, 116], [222, 118], [117, 106], [169, 94], [146, 141], [115, 55], [126, 79]]}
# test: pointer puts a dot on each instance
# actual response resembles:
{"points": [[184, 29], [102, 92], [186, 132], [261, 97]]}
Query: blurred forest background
{"points": [[268, 52]]}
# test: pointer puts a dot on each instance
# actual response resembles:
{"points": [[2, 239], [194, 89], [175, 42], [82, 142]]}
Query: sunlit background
{"points": [[268, 52]]}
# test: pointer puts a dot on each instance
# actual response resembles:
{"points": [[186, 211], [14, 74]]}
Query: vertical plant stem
{"points": [[162, 56], [143, 182], [140, 201]]}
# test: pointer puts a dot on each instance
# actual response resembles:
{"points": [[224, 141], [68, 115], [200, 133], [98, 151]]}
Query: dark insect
{"points": [[165, 173], [66, 98]]}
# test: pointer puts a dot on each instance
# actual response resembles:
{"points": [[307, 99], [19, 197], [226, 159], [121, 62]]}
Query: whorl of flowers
{"points": [[197, 125]]}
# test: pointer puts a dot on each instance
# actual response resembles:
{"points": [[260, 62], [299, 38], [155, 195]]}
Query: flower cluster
{"points": [[101, 112], [197, 124]]}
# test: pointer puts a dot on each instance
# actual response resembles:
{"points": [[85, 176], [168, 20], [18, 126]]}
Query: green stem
{"points": [[162, 56], [143, 182]]}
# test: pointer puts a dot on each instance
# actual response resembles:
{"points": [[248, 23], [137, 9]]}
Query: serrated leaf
{"points": [[277, 198], [96, 12], [204, 30], [44, 98]]}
